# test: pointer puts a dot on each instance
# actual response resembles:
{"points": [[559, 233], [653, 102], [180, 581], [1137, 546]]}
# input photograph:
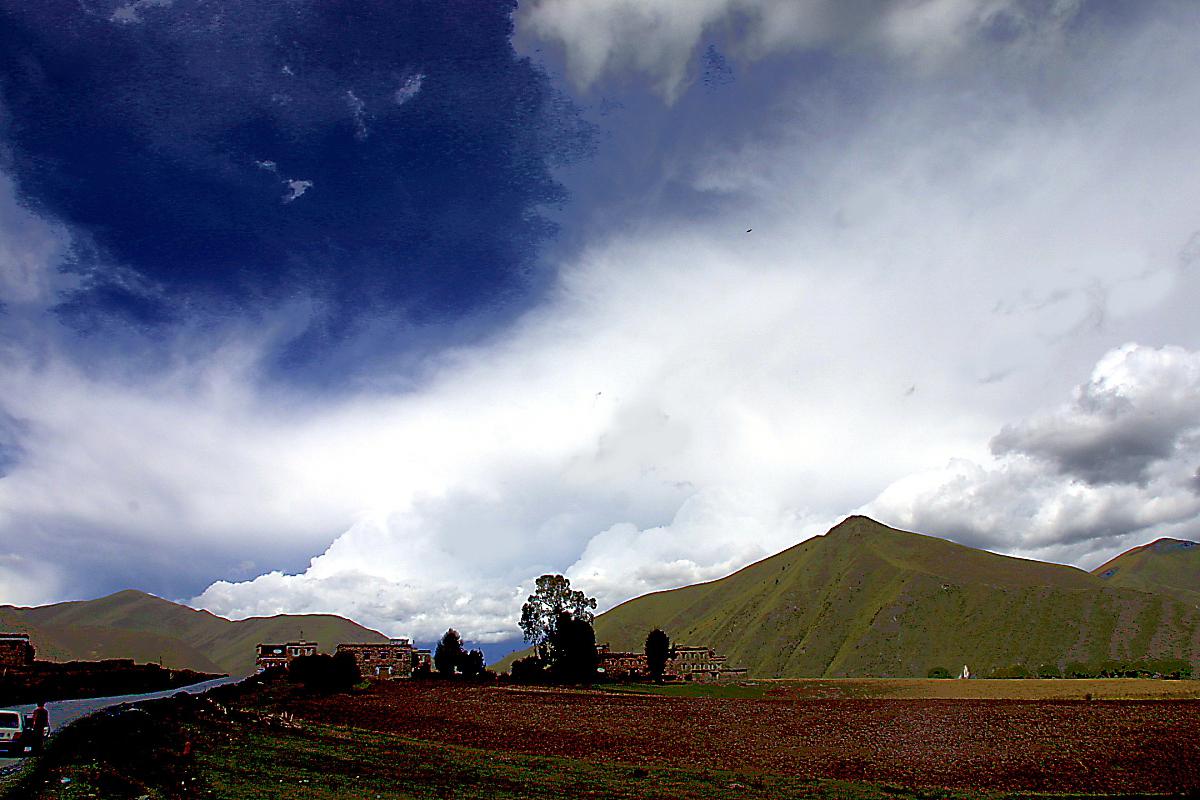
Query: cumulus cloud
{"points": [[714, 533], [659, 37], [1113, 467], [1141, 407]]}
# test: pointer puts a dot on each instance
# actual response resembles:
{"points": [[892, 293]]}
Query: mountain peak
{"points": [[857, 523], [1170, 565]]}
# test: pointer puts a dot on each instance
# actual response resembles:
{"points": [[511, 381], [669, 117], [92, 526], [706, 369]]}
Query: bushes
{"points": [[528, 670], [1156, 668], [1049, 671], [939, 672]]}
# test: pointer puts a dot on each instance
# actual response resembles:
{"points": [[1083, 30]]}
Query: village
{"points": [[399, 658]]}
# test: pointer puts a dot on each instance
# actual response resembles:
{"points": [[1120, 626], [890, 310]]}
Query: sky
{"points": [[385, 309]]}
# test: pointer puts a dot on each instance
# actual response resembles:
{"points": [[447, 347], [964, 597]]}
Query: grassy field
{"points": [[929, 689], [247, 756], [817, 739]]}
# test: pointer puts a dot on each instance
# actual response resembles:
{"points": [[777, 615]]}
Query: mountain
{"points": [[868, 600], [1167, 565], [133, 624]]}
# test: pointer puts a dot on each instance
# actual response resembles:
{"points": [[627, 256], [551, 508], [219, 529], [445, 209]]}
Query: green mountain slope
{"points": [[868, 600], [1167, 565], [132, 624]]}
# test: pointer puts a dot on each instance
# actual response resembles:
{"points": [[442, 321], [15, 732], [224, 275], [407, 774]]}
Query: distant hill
{"points": [[869, 600], [133, 624], [1167, 565]]}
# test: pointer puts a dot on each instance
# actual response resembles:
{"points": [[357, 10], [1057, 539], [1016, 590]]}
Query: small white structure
{"points": [[966, 673]]}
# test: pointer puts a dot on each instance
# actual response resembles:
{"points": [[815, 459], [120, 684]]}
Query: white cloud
{"points": [[27, 582], [296, 189], [1113, 468], [409, 89], [659, 37], [131, 13], [28, 250], [714, 533], [358, 110]]}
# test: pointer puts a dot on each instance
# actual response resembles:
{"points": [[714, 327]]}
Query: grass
{"points": [[325, 762]]}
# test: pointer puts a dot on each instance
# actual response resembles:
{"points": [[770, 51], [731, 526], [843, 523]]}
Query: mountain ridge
{"points": [[135, 624], [865, 599]]}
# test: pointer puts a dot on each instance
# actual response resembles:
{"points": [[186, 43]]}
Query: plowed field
{"points": [[1067, 746]]}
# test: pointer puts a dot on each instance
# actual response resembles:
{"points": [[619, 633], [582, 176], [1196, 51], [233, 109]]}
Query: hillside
{"points": [[1167, 565], [868, 600], [133, 624]]}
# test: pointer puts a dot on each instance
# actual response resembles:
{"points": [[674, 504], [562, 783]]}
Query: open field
{"points": [[928, 689], [966, 745], [251, 756], [431, 739]]}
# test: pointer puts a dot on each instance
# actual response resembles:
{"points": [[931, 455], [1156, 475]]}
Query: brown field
{"points": [[982, 689], [798, 729]]}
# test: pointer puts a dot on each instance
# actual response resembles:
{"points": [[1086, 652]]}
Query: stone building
{"points": [[621, 666], [16, 651], [702, 664], [383, 660], [281, 655]]}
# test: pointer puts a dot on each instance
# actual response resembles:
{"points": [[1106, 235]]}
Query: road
{"points": [[64, 712]]}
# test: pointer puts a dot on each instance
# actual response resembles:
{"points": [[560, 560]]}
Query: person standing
{"points": [[41, 724]]}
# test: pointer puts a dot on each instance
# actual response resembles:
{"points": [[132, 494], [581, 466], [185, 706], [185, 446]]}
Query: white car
{"points": [[16, 733]]}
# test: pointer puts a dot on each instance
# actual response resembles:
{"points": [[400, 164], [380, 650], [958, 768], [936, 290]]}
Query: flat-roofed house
{"points": [[16, 651], [621, 666], [382, 660], [703, 664], [281, 655]]}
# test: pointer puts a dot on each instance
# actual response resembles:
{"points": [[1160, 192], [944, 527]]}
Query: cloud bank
{"points": [[659, 38], [931, 278]]}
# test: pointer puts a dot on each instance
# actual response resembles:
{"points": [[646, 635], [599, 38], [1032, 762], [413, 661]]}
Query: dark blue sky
{"points": [[386, 160]]}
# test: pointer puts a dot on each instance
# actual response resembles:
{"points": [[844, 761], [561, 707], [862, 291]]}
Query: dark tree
{"points": [[658, 650], [345, 670], [473, 664], [450, 654], [552, 598], [528, 670], [573, 649]]}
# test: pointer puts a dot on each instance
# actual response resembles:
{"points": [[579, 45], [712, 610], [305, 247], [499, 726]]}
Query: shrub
{"points": [[939, 672], [528, 670], [1049, 671]]}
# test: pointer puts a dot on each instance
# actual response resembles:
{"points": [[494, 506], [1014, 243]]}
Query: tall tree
{"points": [[449, 654], [658, 650], [473, 664], [573, 649], [552, 597]]}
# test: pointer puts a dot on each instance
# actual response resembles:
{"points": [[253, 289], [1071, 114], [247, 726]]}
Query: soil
{"points": [[1003, 745]]}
